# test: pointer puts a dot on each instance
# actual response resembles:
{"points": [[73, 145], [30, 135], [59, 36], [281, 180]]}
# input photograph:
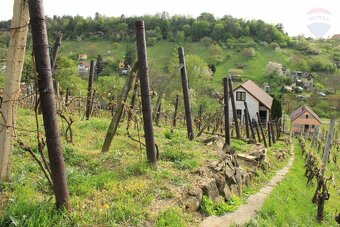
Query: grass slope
{"points": [[290, 202]]}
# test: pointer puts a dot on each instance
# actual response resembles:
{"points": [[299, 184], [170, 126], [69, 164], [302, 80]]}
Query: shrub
{"points": [[274, 45], [322, 65], [273, 69], [171, 217], [249, 52]]}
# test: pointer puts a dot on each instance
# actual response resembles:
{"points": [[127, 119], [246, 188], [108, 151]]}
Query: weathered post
{"points": [[262, 132], [249, 121], [174, 121], [158, 115], [67, 96], [200, 112], [257, 131], [8, 104], [269, 135], [321, 201], [111, 131], [185, 88], [246, 123], [233, 105], [43, 66], [226, 111], [145, 92], [89, 91], [133, 100], [272, 133]]}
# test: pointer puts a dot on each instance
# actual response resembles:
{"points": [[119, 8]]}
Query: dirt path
{"points": [[254, 203]]}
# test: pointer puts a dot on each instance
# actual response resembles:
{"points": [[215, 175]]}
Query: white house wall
{"points": [[253, 105]]}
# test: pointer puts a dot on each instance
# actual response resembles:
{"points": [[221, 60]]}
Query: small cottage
{"points": [[304, 120], [257, 100]]}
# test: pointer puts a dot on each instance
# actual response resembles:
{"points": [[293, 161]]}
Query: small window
{"points": [[240, 96], [307, 116]]}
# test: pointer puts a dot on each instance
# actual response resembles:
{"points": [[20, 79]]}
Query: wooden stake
{"points": [[89, 91], [249, 121], [185, 88], [43, 66], [145, 92], [231, 92], [175, 113], [226, 111], [14, 63]]}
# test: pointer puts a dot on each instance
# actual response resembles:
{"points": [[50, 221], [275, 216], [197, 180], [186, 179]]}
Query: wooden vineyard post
{"points": [[89, 91], [322, 197], [145, 92], [249, 122], [257, 131], [8, 104], [233, 105], [272, 133], [174, 121], [199, 123], [226, 111], [269, 135], [262, 132], [185, 88], [133, 100], [246, 123], [43, 67], [111, 131], [158, 114]]}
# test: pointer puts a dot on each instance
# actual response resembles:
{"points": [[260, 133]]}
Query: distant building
{"points": [[336, 36], [257, 100], [83, 67], [303, 79], [304, 120], [82, 57]]}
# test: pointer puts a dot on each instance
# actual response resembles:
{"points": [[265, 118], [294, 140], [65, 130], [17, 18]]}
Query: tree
{"points": [[276, 108], [249, 52], [289, 103], [130, 55], [333, 81], [273, 69], [100, 64]]}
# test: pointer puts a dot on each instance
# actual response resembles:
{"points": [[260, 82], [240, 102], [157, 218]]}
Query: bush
{"points": [[274, 45], [249, 52], [322, 65], [171, 217], [273, 69]]}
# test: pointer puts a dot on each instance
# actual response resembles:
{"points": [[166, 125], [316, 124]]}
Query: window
{"points": [[307, 116], [240, 96]]}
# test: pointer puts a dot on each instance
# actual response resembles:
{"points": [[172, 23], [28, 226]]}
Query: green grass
{"points": [[290, 202]]}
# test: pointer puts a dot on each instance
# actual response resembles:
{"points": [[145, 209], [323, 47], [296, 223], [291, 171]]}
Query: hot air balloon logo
{"points": [[319, 22]]}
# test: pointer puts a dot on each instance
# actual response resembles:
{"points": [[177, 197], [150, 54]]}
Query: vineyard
{"points": [[144, 159]]}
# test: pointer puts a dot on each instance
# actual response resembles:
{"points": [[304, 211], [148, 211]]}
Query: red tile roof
{"points": [[258, 93], [302, 109]]}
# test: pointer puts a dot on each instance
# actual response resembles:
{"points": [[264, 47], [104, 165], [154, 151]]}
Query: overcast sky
{"points": [[295, 15]]}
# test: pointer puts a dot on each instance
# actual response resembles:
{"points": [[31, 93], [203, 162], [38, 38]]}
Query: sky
{"points": [[312, 18]]}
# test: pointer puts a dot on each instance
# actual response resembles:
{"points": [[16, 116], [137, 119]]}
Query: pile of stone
{"points": [[219, 180]]}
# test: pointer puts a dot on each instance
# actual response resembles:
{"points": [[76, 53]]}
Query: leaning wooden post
{"points": [[249, 121], [226, 111], [233, 105], [262, 132], [89, 91], [145, 92], [272, 129], [14, 63], [174, 121], [269, 135], [111, 131], [185, 88], [325, 157], [43, 67]]}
